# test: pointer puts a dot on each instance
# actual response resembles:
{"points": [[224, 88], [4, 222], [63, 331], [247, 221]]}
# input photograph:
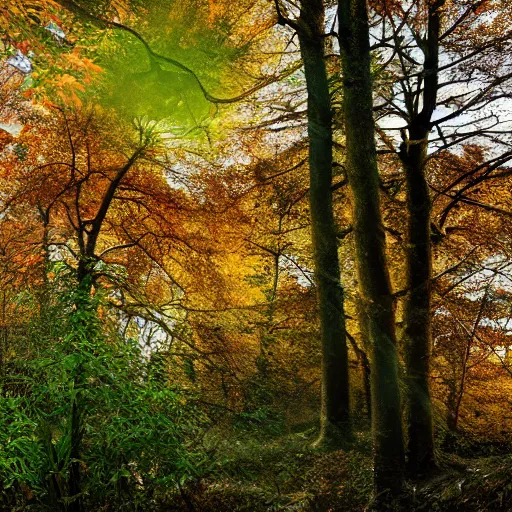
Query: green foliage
{"points": [[156, 83], [140, 435], [21, 455], [285, 474], [263, 422], [157, 92]]}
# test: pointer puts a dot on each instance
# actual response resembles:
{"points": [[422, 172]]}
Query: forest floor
{"points": [[286, 474]]}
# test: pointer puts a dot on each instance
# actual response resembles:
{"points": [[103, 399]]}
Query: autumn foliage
{"points": [[160, 317]]}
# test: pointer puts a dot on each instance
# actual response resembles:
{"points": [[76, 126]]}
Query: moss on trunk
{"points": [[377, 303], [335, 414]]}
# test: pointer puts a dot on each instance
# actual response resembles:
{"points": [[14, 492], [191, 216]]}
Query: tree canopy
{"points": [[255, 255]]}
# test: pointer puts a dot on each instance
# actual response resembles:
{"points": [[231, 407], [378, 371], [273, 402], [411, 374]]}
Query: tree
{"points": [[432, 52], [335, 414], [377, 301], [86, 189], [417, 309]]}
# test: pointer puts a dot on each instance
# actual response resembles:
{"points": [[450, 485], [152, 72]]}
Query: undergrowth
{"points": [[286, 474]]}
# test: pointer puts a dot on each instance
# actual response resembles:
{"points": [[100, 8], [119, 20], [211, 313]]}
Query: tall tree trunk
{"points": [[366, 366], [335, 413], [417, 332], [417, 307], [377, 303]]}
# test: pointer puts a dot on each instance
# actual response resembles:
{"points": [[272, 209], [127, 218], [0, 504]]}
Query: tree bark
{"points": [[417, 333], [335, 411], [377, 302]]}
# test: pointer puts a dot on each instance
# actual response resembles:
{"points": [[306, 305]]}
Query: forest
{"points": [[255, 255]]}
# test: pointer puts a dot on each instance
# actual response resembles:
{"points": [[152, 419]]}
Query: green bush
{"points": [[139, 435]]}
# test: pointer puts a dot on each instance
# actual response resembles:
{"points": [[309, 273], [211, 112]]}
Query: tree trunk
{"points": [[335, 413], [365, 361], [417, 315], [417, 331], [377, 302]]}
